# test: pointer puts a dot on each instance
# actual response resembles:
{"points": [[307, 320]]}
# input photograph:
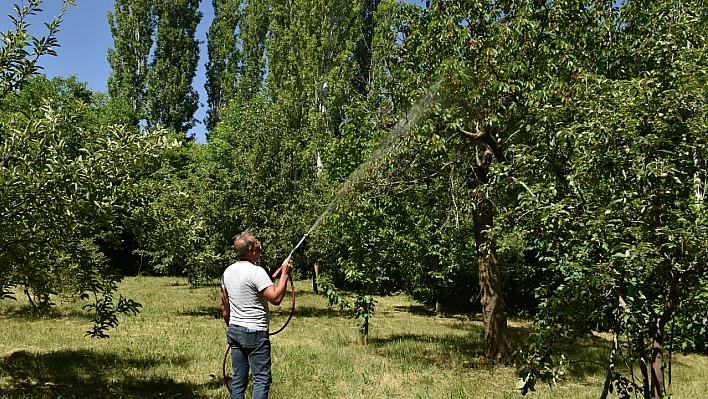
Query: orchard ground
{"points": [[175, 346]]}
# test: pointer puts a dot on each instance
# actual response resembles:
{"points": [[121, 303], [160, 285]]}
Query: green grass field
{"points": [[175, 346]]}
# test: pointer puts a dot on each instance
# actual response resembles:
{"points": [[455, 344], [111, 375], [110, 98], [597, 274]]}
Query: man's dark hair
{"points": [[244, 244]]}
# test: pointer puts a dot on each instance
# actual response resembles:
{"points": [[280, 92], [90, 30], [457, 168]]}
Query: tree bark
{"points": [[645, 376], [621, 306], [656, 328], [497, 344], [656, 334]]}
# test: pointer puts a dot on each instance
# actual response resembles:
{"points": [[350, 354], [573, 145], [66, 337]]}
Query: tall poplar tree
{"points": [[362, 55], [236, 49], [292, 79], [254, 25], [132, 27], [171, 100], [224, 54]]}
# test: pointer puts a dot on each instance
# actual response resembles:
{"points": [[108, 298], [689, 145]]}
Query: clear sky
{"points": [[85, 37]]}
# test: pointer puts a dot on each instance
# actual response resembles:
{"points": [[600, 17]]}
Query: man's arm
{"points": [[225, 307], [275, 293]]}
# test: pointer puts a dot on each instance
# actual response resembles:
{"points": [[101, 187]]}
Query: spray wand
{"points": [[298, 244]]}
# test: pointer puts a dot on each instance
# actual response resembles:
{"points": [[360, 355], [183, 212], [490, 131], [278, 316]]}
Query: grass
{"points": [[175, 346]]}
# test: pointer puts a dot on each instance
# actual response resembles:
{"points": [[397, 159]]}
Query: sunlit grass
{"points": [[175, 346]]}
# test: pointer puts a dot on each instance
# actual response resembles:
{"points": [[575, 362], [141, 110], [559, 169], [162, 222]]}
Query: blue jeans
{"points": [[249, 349]]}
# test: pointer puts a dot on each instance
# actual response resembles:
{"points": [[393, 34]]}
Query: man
{"points": [[245, 292]]}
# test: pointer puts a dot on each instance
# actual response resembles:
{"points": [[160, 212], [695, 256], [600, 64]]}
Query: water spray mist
{"points": [[394, 138]]}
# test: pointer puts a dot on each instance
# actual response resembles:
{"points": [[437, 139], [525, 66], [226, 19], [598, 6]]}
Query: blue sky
{"points": [[85, 37]]}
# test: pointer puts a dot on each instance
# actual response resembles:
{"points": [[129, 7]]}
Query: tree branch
{"points": [[487, 137]]}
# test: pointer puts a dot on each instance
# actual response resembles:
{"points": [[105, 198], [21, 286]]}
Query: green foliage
{"points": [[236, 45], [174, 229], [170, 99], [154, 61], [133, 26], [65, 180], [103, 309], [223, 53], [610, 197], [65, 185], [688, 331], [16, 63]]}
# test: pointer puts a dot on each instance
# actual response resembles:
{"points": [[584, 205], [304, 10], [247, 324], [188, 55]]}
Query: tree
{"points": [[495, 66], [278, 132], [615, 209], [64, 179], [236, 45], [170, 98], [132, 26], [253, 28], [16, 63], [154, 61], [363, 49], [176, 228], [223, 54], [436, 44]]}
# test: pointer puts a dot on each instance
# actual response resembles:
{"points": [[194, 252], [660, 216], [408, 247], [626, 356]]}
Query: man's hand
{"points": [[275, 294], [286, 269], [287, 266]]}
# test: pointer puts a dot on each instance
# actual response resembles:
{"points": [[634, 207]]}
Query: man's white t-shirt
{"points": [[244, 283]]}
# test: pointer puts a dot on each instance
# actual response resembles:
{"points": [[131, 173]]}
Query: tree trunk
{"points": [[315, 274], [645, 376], [497, 345], [621, 306], [656, 336], [438, 304]]}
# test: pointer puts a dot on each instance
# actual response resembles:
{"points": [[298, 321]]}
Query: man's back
{"points": [[244, 283]]}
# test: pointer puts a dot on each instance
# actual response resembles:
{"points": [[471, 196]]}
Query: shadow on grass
{"points": [[419, 310], [86, 375], [443, 351], [310, 311], [211, 312], [283, 310], [586, 356], [28, 313]]}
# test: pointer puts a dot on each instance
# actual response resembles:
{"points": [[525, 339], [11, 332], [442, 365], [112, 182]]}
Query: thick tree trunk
{"points": [[497, 345]]}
